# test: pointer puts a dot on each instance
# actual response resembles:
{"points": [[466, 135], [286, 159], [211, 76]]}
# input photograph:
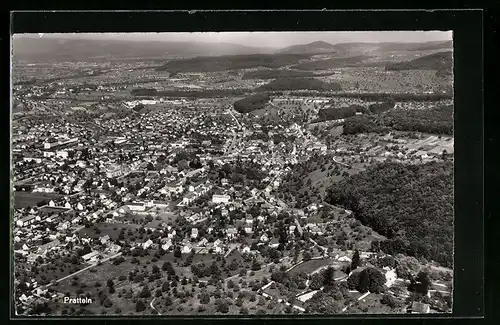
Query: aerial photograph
{"points": [[232, 173]]}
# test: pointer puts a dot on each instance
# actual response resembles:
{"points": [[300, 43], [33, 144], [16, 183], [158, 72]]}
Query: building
{"points": [[136, 206], [194, 233], [26, 221], [90, 256], [216, 198], [420, 308]]}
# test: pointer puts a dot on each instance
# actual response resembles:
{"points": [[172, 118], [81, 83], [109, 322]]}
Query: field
{"points": [[111, 229], [369, 305], [28, 199], [310, 266]]}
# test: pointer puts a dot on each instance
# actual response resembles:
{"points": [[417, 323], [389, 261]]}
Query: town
{"points": [[175, 205]]}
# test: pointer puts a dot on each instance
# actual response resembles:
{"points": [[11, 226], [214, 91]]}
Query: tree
{"points": [[307, 256], [205, 298], [255, 265], [422, 283], [177, 252], [355, 260], [223, 307], [364, 282], [329, 276], [110, 283], [145, 293], [316, 281], [140, 306], [353, 281]]}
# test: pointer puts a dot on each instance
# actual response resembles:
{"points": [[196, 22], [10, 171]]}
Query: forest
{"points": [[438, 120], [331, 63], [287, 84], [251, 103], [435, 61], [274, 73], [412, 205], [230, 62], [189, 93]]}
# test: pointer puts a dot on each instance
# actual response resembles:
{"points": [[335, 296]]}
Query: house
{"points": [[104, 239], [248, 229], [194, 233], [202, 242], [186, 249], [245, 249], [231, 232], [26, 221], [90, 256], [147, 244], [264, 238], [390, 277], [167, 244], [172, 188], [224, 182], [49, 246], [420, 308], [344, 259], [137, 206], [216, 198], [274, 243]]}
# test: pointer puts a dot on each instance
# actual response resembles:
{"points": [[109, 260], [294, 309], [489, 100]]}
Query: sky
{"points": [[271, 39]]}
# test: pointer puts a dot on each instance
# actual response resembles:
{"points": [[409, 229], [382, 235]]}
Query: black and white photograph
{"points": [[232, 173]]}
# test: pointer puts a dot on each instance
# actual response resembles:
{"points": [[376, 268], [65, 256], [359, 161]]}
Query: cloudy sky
{"points": [[272, 39]]}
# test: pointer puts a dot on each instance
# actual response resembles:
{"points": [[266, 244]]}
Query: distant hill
{"points": [[331, 63], [359, 48], [287, 84], [230, 62], [435, 61], [59, 49], [314, 47], [274, 73]]}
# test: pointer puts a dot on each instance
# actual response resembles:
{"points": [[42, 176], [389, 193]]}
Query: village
{"points": [[187, 184]]}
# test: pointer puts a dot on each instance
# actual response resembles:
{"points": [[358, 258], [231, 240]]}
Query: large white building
{"points": [[216, 198]]}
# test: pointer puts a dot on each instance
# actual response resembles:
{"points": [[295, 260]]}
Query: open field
{"points": [[310, 266], [28, 199], [111, 229]]}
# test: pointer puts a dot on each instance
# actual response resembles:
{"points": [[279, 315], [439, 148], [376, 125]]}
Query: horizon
{"points": [[261, 39]]}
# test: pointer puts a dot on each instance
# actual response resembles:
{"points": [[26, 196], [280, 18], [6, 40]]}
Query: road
{"points": [[153, 307], [84, 269]]}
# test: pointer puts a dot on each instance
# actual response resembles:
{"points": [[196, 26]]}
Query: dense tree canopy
{"points": [[410, 204]]}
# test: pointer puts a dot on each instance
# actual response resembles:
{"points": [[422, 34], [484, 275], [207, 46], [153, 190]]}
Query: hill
{"points": [[333, 63], [231, 62], [410, 204], [60, 49], [359, 48], [314, 47], [288, 84], [436, 61]]}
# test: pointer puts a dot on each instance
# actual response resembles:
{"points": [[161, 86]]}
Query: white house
{"points": [[194, 233], [147, 244], [390, 277], [216, 198], [186, 249]]}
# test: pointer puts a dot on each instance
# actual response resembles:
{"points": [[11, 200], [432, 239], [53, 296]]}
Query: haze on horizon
{"points": [[265, 39]]}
